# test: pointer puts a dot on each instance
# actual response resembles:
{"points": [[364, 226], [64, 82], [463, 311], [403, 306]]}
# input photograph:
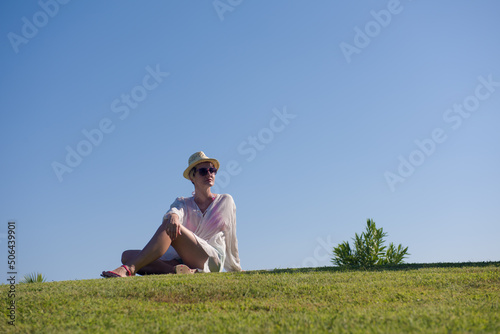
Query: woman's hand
{"points": [[172, 226]]}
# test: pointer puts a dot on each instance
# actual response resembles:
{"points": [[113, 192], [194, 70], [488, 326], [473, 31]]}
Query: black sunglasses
{"points": [[205, 171]]}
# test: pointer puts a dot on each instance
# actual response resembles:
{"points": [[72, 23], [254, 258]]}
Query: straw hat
{"points": [[197, 158]]}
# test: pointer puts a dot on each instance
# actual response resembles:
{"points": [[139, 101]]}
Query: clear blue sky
{"points": [[322, 115]]}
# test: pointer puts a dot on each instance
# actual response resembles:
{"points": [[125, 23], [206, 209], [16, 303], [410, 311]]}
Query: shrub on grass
{"points": [[34, 278], [369, 249]]}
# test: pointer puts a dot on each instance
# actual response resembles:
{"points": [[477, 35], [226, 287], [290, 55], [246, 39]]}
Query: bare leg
{"points": [[186, 246], [156, 267], [191, 253]]}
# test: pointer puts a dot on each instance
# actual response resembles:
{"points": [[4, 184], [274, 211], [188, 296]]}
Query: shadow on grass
{"points": [[405, 266]]}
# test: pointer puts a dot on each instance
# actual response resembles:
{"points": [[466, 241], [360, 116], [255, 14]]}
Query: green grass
{"points": [[439, 298]]}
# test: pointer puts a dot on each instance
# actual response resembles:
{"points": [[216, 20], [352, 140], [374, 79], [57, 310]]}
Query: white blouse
{"points": [[215, 230]]}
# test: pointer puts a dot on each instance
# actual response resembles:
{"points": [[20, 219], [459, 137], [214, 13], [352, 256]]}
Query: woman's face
{"points": [[203, 180]]}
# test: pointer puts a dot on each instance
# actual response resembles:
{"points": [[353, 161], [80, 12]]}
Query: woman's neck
{"points": [[203, 195]]}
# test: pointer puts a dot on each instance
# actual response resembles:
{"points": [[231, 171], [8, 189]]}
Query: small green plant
{"points": [[369, 249], [34, 278]]}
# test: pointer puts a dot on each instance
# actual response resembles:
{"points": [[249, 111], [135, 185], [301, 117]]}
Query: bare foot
{"points": [[122, 271], [183, 269]]}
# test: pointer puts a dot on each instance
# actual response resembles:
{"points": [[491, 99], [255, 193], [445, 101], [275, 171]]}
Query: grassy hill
{"points": [[436, 298]]}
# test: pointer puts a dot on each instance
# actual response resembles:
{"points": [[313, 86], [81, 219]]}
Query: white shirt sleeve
{"points": [[177, 207], [232, 260]]}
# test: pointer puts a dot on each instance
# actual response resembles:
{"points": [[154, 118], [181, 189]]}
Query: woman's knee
{"points": [[129, 254]]}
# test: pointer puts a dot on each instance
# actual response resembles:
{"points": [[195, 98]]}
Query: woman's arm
{"points": [[173, 219], [172, 225]]}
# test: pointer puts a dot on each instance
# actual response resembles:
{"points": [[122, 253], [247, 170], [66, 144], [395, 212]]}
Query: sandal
{"points": [[183, 269], [109, 274]]}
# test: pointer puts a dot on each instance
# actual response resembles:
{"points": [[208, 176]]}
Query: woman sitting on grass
{"points": [[199, 232]]}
